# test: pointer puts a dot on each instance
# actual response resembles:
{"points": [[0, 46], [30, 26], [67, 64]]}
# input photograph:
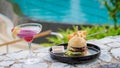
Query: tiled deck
{"points": [[109, 58]]}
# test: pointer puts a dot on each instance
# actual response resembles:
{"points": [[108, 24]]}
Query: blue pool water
{"points": [[66, 11]]}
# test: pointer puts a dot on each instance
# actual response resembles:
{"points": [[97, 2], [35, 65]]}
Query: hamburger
{"points": [[77, 47], [77, 44]]}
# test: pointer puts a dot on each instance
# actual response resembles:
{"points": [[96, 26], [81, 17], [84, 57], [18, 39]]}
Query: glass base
{"points": [[31, 61]]}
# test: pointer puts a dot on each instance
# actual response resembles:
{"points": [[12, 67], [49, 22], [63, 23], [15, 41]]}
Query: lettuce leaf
{"points": [[70, 53]]}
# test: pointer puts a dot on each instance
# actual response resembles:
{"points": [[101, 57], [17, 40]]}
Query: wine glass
{"points": [[27, 31]]}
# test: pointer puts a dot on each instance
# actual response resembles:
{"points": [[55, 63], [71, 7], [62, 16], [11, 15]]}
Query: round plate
{"points": [[92, 49]]}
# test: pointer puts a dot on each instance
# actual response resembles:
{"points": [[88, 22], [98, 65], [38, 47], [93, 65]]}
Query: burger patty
{"points": [[76, 49]]}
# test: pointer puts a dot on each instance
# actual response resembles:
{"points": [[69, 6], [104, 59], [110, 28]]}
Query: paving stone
{"points": [[6, 63], [116, 53], [9, 59], [114, 44], [97, 43], [110, 65], [106, 40], [16, 66], [105, 56], [116, 37], [59, 65], [2, 54], [19, 55], [48, 58], [76, 66], [87, 65], [42, 54], [39, 65], [3, 57], [42, 50], [103, 47], [38, 60]]}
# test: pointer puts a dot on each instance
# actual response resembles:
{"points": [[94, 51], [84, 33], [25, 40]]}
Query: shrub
{"points": [[94, 32]]}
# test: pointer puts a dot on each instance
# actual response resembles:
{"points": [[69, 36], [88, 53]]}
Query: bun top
{"points": [[77, 42]]}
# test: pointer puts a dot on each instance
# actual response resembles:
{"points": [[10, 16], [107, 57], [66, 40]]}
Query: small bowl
{"points": [[61, 57]]}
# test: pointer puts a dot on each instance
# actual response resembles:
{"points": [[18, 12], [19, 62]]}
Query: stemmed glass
{"points": [[27, 31]]}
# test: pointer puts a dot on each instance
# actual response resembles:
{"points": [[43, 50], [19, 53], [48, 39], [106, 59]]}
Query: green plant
{"points": [[113, 7], [90, 30]]}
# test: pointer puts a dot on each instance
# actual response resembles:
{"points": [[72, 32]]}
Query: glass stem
{"points": [[30, 51]]}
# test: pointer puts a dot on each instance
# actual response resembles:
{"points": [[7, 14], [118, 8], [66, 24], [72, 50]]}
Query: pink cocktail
{"points": [[27, 35], [27, 32]]}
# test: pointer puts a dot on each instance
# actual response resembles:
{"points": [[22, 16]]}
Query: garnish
{"points": [[15, 31]]}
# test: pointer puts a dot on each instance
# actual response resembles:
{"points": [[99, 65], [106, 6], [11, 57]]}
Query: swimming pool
{"points": [[66, 11]]}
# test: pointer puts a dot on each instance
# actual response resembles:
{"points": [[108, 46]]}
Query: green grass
{"points": [[90, 30]]}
